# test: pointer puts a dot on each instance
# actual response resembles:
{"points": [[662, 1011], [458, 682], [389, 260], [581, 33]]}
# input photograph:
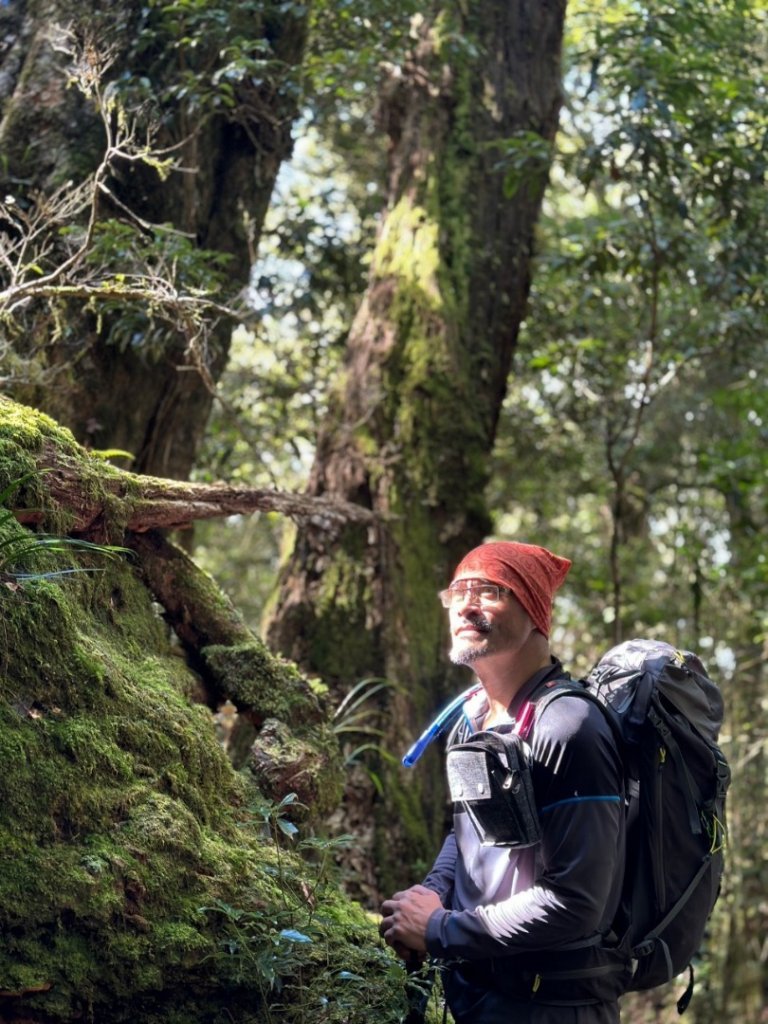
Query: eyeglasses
{"points": [[477, 593]]}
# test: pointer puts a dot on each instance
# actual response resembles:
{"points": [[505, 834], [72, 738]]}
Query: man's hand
{"points": [[404, 919]]}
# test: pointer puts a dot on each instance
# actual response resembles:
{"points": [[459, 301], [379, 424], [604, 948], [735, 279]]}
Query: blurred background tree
{"points": [[140, 149]]}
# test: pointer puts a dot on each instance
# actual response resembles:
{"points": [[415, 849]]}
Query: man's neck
{"points": [[504, 674]]}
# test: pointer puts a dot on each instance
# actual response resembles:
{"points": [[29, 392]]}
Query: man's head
{"points": [[500, 594]]}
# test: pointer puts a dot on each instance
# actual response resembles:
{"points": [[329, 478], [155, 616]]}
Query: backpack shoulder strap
{"points": [[545, 695]]}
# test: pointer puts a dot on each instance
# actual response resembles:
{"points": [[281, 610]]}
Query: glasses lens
{"points": [[482, 593]]}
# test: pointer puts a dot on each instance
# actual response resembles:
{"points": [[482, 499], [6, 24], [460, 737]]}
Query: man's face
{"points": [[482, 627]]}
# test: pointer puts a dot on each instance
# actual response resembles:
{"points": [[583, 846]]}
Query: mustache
{"points": [[479, 622]]}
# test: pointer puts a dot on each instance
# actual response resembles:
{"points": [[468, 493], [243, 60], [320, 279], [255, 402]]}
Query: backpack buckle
{"points": [[723, 779], [643, 949]]}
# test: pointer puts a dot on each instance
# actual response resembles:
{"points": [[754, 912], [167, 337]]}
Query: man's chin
{"points": [[465, 654]]}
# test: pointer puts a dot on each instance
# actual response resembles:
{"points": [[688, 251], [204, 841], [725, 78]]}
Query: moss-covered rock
{"points": [[140, 874]]}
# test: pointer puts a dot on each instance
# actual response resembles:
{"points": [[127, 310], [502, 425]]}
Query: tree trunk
{"points": [[744, 916], [143, 878], [470, 117], [118, 381]]}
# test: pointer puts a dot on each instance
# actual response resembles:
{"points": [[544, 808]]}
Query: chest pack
{"points": [[489, 774]]}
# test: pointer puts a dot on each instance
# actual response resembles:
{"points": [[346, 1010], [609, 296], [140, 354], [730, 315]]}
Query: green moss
{"points": [[95, 753], [296, 749], [250, 674], [407, 248], [134, 885], [24, 430], [27, 438], [340, 637]]}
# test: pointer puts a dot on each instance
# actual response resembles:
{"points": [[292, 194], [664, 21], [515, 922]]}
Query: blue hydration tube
{"points": [[439, 725]]}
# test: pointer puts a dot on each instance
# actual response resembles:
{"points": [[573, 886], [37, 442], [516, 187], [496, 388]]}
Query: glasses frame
{"points": [[458, 595]]}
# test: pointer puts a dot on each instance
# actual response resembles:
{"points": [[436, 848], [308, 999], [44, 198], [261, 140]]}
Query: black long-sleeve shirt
{"points": [[500, 901]]}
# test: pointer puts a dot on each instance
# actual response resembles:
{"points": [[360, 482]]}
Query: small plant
{"points": [[356, 718], [16, 549], [273, 818], [314, 958]]}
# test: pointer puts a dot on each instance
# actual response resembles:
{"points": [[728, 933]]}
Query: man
{"points": [[499, 918]]}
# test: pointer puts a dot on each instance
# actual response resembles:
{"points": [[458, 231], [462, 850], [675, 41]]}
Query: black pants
{"points": [[471, 1004]]}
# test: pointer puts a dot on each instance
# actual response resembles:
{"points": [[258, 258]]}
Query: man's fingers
{"points": [[388, 906], [403, 951], [387, 910], [405, 916]]}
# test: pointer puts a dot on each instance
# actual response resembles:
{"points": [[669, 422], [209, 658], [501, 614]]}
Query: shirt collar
{"points": [[477, 706]]}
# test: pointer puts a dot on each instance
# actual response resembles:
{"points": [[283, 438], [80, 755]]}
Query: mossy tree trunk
{"points": [[142, 877], [470, 117], [120, 380]]}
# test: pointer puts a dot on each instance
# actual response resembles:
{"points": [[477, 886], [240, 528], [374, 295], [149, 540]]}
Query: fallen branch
{"points": [[197, 611], [164, 503], [141, 503]]}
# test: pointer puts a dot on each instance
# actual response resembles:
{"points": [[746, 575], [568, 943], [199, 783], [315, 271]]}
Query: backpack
{"points": [[665, 713]]}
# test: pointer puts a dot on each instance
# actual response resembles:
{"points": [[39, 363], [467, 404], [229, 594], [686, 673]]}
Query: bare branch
{"points": [[47, 248]]}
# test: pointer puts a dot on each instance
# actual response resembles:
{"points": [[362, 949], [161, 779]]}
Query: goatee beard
{"points": [[465, 656], [460, 655]]}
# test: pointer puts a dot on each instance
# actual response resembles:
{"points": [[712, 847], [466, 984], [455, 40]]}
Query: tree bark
{"points": [[115, 381], [470, 117], [141, 503]]}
